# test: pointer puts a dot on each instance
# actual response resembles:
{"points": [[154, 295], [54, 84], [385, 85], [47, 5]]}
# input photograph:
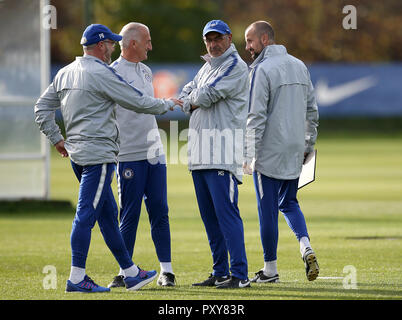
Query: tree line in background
{"points": [[310, 29]]}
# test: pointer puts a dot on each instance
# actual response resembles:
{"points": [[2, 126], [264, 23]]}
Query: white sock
{"points": [[131, 272], [304, 243], [270, 268], [76, 274], [166, 267]]}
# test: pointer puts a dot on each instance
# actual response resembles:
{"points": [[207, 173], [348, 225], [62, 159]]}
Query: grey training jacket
{"points": [[87, 91], [283, 116], [139, 135], [217, 127]]}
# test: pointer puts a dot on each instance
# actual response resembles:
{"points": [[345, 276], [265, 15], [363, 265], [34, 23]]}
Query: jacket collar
{"points": [[269, 51], [214, 62], [90, 57], [121, 59]]}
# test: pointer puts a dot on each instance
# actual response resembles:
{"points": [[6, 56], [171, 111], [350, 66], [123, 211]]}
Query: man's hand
{"points": [[176, 103], [247, 168], [193, 107], [60, 148]]}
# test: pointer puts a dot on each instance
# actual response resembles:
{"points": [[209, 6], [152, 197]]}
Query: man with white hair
{"points": [[86, 91], [142, 164]]}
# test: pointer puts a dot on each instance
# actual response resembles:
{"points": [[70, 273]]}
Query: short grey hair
{"points": [[131, 31], [90, 47]]}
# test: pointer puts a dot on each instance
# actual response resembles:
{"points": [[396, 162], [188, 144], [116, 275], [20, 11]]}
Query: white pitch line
{"points": [[330, 278]]}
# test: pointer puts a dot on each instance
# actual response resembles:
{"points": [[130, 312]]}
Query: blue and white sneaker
{"points": [[87, 286], [142, 279]]}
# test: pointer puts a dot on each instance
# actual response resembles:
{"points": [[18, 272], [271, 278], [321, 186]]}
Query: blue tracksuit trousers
{"points": [[96, 203], [274, 195], [217, 197], [138, 180]]}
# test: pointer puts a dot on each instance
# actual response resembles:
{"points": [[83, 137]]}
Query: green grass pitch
{"points": [[353, 212]]}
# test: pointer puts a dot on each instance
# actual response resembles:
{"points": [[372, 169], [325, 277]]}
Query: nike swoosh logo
{"points": [[328, 96], [218, 283], [86, 289], [244, 284]]}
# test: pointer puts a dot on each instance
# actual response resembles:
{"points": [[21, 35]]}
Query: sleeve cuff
{"points": [[56, 138], [187, 107]]}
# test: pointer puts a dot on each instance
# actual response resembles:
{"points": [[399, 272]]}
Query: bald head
{"points": [[258, 35], [136, 41], [132, 31], [262, 28]]}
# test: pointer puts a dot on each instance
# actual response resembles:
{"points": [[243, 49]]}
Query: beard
{"points": [[216, 52], [255, 54], [107, 56]]}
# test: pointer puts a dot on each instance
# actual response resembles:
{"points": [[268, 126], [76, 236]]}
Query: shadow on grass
{"points": [[332, 290], [329, 290], [29, 206], [390, 237]]}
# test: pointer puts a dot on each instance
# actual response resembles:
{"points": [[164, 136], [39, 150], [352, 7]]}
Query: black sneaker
{"points": [[117, 282], [235, 283], [166, 279], [213, 281], [260, 277], [311, 265]]}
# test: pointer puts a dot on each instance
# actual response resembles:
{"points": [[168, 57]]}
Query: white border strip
{"points": [[118, 184], [260, 185], [231, 189], [100, 186]]}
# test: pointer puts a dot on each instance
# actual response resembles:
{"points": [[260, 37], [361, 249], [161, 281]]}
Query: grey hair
{"points": [[90, 47], [131, 31]]}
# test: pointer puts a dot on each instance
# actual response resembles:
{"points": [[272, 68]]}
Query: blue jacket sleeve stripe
{"points": [[119, 77], [227, 72], [251, 88]]}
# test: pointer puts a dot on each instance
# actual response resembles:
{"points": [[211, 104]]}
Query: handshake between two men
{"points": [[180, 103]]}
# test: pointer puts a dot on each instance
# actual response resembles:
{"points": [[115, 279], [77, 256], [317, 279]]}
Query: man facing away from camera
{"points": [[281, 131], [87, 91], [217, 99], [142, 165]]}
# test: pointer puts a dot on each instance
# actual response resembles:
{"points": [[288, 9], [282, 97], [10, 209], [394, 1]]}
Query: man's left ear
{"points": [[265, 39]]}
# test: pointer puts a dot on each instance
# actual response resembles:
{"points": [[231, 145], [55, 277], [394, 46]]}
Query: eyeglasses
{"points": [[113, 43], [216, 39]]}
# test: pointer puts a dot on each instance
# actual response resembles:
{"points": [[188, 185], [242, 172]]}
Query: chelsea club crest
{"points": [[147, 76], [128, 173]]}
